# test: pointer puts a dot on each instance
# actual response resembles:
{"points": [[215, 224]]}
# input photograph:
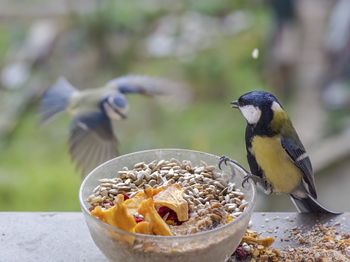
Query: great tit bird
{"points": [[92, 140], [277, 158]]}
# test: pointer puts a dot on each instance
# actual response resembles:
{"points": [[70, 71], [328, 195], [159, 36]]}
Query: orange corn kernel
{"points": [[117, 215], [143, 227], [158, 225]]}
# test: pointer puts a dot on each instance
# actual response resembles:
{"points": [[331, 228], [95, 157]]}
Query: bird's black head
{"points": [[257, 106], [115, 106]]}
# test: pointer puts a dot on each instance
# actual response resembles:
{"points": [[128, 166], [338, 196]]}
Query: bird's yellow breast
{"points": [[278, 168]]}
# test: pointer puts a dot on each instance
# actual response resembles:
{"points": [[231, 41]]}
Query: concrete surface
{"points": [[65, 237]]}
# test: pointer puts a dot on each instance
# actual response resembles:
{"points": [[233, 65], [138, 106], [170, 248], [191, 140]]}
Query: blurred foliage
{"points": [[220, 7], [35, 170], [337, 121], [4, 42]]}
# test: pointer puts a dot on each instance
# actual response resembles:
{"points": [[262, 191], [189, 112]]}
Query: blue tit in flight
{"points": [[91, 139], [277, 158]]}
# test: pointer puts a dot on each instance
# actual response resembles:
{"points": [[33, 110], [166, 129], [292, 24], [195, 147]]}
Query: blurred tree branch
{"points": [[22, 87]]}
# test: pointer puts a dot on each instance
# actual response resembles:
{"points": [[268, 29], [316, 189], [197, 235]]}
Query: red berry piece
{"points": [[162, 211], [241, 254], [138, 219]]}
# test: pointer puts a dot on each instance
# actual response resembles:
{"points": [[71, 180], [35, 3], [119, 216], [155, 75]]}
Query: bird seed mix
{"points": [[167, 197]]}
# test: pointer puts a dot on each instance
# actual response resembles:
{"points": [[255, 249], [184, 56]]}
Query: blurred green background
{"points": [[205, 44]]}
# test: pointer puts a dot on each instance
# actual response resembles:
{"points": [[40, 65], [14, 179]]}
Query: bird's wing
{"points": [[145, 85], [56, 99], [91, 141], [296, 151], [253, 165]]}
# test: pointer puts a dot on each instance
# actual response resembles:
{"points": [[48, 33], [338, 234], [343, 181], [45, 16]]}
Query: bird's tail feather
{"points": [[56, 99], [310, 205]]}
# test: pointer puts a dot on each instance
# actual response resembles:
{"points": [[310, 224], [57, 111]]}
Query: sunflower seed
{"points": [[202, 200], [113, 191], [161, 162], [147, 176], [198, 170], [96, 189], [237, 193], [236, 214], [152, 183], [207, 180], [104, 193], [140, 164], [218, 184], [197, 201], [96, 200], [242, 206], [192, 181], [209, 168], [104, 180], [171, 181], [132, 176], [208, 175], [171, 172], [124, 188]]}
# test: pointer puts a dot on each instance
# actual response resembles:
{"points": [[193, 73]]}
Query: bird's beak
{"points": [[234, 104], [113, 112], [122, 115]]}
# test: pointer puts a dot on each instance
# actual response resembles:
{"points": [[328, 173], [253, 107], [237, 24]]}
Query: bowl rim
{"points": [[86, 211]]}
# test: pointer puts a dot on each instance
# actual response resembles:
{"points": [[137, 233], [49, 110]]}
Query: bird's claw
{"points": [[258, 180], [255, 179], [226, 160], [234, 165], [268, 189], [223, 159]]}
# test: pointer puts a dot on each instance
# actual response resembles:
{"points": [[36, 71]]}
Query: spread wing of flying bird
{"points": [[92, 141], [146, 85]]}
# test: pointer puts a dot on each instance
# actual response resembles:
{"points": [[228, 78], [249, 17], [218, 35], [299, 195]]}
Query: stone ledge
{"points": [[64, 236]]}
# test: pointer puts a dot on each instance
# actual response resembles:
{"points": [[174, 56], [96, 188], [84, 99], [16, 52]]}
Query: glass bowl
{"points": [[118, 245]]}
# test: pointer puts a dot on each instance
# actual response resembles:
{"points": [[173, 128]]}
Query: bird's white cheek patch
{"points": [[111, 114], [251, 113]]}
